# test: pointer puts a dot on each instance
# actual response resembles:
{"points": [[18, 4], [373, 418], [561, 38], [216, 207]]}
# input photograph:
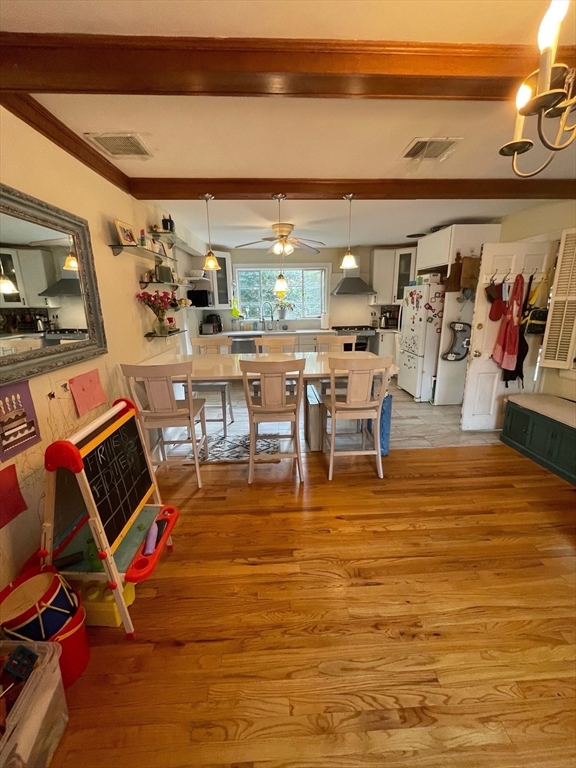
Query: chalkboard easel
{"points": [[99, 484]]}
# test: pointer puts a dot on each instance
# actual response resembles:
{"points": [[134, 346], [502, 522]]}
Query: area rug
{"points": [[236, 449]]}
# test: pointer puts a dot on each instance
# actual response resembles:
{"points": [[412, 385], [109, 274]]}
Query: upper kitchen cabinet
{"points": [[439, 249], [222, 281], [10, 268], [38, 272], [391, 271]]}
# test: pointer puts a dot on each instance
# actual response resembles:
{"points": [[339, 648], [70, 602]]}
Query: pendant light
{"points": [[281, 248], [6, 285], [348, 260], [71, 263], [210, 262]]}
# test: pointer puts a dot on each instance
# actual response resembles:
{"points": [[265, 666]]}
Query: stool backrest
{"points": [[360, 373], [211, 345], [273, 345], [272, 383], [157, 382], [334, 344]]}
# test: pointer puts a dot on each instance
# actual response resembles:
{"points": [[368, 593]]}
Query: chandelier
{"points": [[548, 93]]}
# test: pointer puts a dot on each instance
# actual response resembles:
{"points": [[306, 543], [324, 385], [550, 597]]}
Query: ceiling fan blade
{"points": [[309, 248], [307, 240], [271, 239], [245, 244]]}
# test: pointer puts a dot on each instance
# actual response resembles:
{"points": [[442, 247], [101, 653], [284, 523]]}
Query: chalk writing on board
{"points": [[118, 476]]}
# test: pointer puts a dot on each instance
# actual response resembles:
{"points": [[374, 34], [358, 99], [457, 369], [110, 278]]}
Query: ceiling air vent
{"points": [[430, 149], [120, 144]]}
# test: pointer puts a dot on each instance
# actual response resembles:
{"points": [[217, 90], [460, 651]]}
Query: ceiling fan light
{"points": [[71, 263], [6, 285], [211, 262], [280, 286], [288, 249], [278, 248], [348, 261]]}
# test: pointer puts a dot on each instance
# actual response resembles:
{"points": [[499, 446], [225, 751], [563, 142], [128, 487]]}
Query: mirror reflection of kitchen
{"points": [[41, 302]]}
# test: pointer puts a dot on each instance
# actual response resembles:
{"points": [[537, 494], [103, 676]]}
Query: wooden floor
{"points": [[424, 620]]}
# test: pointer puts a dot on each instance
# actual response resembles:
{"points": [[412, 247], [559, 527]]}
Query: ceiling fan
{"points": [[283, 244]]}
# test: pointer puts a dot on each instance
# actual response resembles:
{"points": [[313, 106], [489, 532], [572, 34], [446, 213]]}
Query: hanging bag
{"points": [[536, 322]]}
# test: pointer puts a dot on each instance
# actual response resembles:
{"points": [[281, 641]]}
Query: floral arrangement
{"points": [[281, 303], [158, 302]]}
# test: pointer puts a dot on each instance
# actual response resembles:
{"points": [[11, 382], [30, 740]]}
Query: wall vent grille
{"points": [[120, 144], [429, 149]]}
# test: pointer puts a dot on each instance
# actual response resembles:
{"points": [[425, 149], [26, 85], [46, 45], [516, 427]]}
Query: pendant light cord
{"points": [[208, 221], [349, 223]]}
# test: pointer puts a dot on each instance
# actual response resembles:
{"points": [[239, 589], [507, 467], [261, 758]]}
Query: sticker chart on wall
{"points": [[98, 519]]}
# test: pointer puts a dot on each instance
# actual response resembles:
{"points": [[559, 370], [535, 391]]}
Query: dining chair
{"points": [[358, 403], [213, 345], [273, 404], [276, 345], [333, 345], [152, 390]]}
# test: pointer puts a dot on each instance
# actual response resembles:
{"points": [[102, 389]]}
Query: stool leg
{"points": [[230, 403], [224, 419], [195, 452], [332, 447], [204, 433], [298, 452], [252, 452]]}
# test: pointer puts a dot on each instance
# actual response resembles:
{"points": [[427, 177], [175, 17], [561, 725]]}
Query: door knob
{"points": [[476, 353]]}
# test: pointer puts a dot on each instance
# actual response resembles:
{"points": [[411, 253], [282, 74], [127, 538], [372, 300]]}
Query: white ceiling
{"points": [[455, 21], [374, 222], [207, 136], [20, 232]]}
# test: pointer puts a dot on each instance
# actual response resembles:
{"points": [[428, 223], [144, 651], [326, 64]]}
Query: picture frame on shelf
{"points": [[125, 233], [159, 247]]}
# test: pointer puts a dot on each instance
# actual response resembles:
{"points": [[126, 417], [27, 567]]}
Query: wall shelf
{"points": [[171, 240], [153, 335], [139, 250], [174, 286]]}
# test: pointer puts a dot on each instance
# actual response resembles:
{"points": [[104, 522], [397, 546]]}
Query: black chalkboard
{"points": [[119, 479]]}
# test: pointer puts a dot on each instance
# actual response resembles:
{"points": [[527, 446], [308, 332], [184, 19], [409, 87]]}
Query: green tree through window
{"points": [[305, 290]]}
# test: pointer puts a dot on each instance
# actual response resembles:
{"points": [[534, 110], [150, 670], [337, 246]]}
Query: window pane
{"points": [[305, 291]]}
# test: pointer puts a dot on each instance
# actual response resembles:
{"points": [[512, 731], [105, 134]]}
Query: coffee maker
{"points": [[211, 324]]}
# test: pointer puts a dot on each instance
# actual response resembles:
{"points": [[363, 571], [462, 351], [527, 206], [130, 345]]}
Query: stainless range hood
{"points": [[65, 287], [353, 286]]}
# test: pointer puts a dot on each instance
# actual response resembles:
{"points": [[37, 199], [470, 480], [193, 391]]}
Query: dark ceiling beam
{"points": [[56, 63], [33, 113], [366, 189]]}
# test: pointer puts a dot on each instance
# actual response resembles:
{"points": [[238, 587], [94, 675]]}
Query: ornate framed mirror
{"points": [[50, 314]]}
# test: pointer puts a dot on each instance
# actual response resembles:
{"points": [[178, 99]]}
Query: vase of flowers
{"points": [[159, 303], [283, 306]]}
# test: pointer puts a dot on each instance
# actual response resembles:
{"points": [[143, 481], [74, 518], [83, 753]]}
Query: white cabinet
{"points": [[306, 342], [404, 272], [386, 344], [222, 281], [32, 271], [38, 272], [391, 271], [382, 275], [11, 270], [439, 249]]}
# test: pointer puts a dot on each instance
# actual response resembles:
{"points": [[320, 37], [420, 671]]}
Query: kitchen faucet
{"points": [[271, 314]]}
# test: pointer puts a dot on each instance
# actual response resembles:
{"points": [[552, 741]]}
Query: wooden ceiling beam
{"points": [[32, 112], [365, 189], [58, 63]]}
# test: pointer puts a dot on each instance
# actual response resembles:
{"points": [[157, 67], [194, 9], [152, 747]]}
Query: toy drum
{"points": [[37, 605]]}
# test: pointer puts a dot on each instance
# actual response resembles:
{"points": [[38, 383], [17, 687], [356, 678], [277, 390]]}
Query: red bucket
{"points": [[75, 649]]}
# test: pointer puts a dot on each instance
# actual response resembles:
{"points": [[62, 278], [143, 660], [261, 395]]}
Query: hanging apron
{"points": [[506, 349]]}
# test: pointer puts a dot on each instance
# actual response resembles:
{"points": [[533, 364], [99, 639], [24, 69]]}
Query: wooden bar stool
{"points": [[213, 345], [333, 345], [273, 404], [276, 345]]}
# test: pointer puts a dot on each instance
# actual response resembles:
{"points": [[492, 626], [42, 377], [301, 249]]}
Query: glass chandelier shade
{"points": [[6, 285], [71, 263], [210, 261], [349, 260], [281, 286]]}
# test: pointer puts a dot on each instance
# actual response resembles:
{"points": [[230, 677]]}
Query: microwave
{"points": [[199, 298]]}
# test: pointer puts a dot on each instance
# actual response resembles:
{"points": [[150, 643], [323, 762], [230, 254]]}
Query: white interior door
{"points": [[484, 390]]}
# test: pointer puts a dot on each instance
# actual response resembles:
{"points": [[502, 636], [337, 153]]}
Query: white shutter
{"points": [[560, 338]]}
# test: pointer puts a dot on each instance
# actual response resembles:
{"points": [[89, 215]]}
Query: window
{"points": [[306, 290]]}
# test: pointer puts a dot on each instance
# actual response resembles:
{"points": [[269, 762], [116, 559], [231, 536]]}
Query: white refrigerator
{"points": [[419, 344]]}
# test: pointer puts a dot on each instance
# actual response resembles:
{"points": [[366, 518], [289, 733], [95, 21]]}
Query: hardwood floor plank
{"points": [[424, 620]]}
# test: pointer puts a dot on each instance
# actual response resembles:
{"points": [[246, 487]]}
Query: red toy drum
{"points": [[36, 605], [75, 649]]}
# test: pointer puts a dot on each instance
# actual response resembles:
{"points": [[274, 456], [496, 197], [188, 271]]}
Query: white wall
{"points": [[546, 220], [34, 165]]}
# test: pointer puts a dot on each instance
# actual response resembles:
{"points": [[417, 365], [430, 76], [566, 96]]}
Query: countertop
{"points": [[25, 335], [252, 334]]}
